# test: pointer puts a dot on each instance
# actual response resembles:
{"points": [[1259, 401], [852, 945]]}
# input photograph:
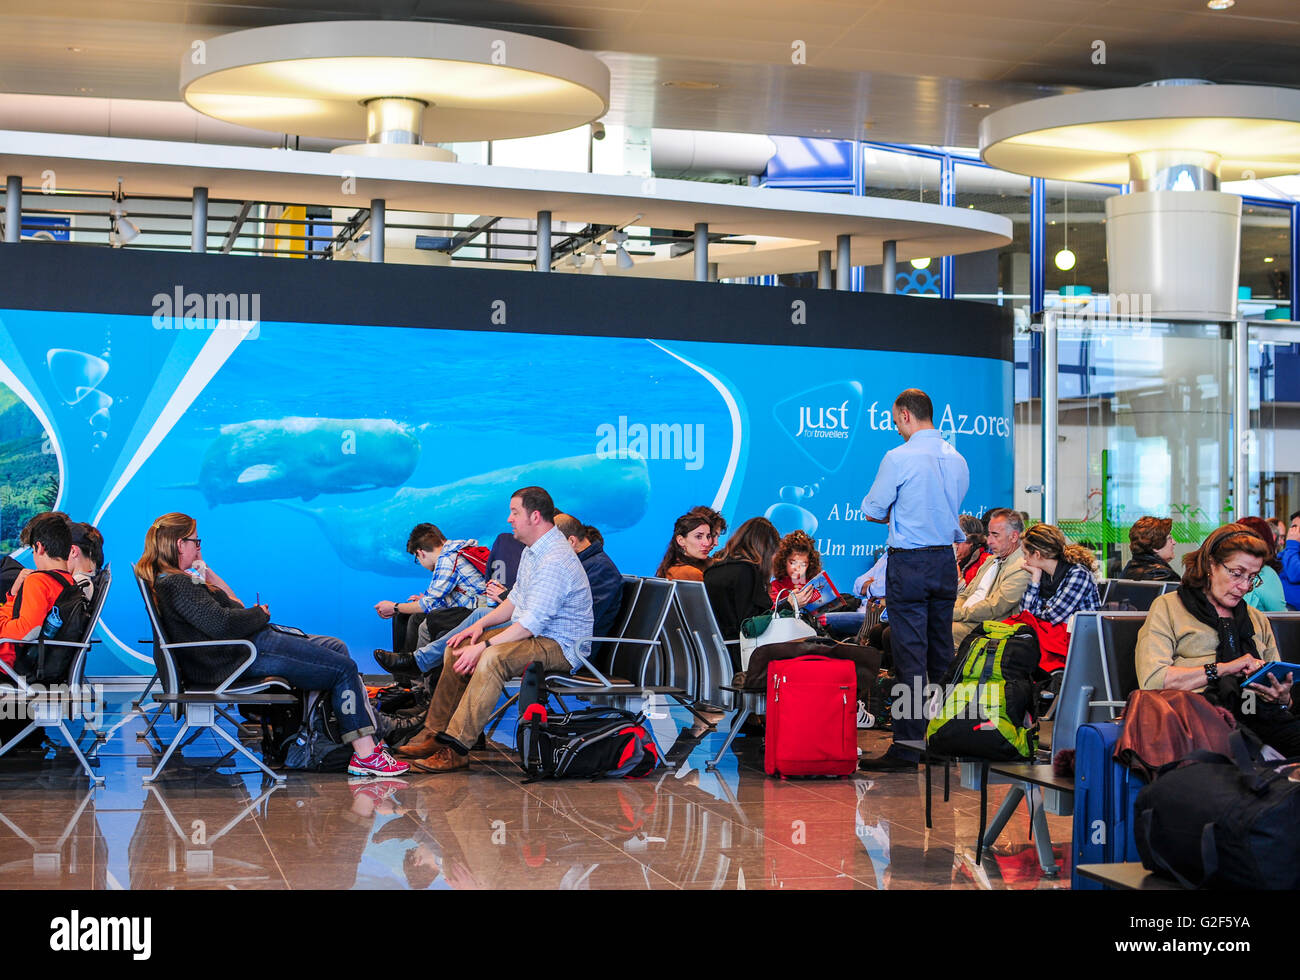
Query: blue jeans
{"points": [[430, 655], [317, 663]]}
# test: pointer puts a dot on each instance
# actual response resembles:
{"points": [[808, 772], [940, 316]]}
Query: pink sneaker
{"points": [[378, 763]]}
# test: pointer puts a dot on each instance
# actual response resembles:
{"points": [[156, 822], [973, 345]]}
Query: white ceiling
{"points": [[889, 70]]}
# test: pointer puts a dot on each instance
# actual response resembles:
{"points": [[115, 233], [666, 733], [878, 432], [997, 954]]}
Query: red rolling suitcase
{"points": [[812, 710]]}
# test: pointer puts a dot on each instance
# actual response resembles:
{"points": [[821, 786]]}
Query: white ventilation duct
{"points": [[682, 152]]}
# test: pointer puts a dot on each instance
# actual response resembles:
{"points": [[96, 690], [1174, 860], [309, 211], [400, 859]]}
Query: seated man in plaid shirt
{"points": [[546, 617], [455, 588]]}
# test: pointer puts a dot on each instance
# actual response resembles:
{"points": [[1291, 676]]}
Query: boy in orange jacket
{"points": [[50, 536]]}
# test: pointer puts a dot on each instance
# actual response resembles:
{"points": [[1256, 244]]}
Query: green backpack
{"points": [[987, 710]]}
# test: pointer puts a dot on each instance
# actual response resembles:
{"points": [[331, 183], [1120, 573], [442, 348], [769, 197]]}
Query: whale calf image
{"points": [[267, 459], [609, 493]]}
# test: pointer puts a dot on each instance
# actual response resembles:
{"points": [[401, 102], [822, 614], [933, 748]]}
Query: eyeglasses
{"points": [[198, 542], [1237, 576], [416, 556]]}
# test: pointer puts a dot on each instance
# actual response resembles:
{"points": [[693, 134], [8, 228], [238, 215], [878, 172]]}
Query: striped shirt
{"points": [[1076, 593], [551, 596], [455, 581]]}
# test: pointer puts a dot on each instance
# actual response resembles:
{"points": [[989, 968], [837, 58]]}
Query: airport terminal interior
{"points": [[304, 279]]}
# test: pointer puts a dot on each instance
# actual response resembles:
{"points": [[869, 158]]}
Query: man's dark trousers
{"points": [[920, 591]]}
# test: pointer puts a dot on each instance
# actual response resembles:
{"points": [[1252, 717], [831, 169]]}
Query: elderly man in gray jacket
{"points": [[997, 588]]}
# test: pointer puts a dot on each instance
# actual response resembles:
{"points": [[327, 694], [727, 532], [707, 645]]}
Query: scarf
{"points": [[1048, 584], [1236, 637]]}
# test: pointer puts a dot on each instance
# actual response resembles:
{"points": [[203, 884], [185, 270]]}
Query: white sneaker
{"points": [[865, 718]]}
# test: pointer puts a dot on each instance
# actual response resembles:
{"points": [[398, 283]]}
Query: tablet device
{"points": [[288, 630], [1278, 670]]}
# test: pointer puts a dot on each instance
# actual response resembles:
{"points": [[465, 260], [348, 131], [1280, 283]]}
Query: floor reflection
{"points": [[213, 821]]}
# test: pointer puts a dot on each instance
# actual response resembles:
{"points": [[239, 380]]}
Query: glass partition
{"points": [[1273, 440], [1075, 240], [1143, 427], [999, 275]]}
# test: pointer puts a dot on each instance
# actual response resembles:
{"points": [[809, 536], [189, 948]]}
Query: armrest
{"points": [[22, 684], [252, 655]]}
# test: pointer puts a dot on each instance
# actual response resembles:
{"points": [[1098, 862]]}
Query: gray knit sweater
{"points": [[190, 612]]}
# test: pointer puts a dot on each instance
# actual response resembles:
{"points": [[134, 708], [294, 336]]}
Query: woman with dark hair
{"points": [[196, 605], [1268, 595], [1152, 543], [687, 556], [737, 581], [971, 553], [1060, 585], [1204, 638]]}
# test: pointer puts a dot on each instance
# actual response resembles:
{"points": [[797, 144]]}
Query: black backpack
{"points": [[317, 745], [593, 743], [67, 620], [1210, 821]]}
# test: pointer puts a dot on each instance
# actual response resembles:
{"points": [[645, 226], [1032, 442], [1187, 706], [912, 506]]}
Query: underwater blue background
{"points": [[134, 411]]}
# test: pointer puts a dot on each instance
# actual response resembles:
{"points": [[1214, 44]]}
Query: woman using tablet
{"points": [[1204, 638], [195, 604]]}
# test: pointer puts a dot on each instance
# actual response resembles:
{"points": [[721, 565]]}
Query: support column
{"points": [[199, 221], [543, 262], [701, 251], [13, 209], [889, 271], [1241, 419], [843, 262], [1051, 416], [824, 278], [377, 230], [713, 272]]}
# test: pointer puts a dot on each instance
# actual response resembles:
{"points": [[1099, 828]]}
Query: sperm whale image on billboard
{"points": [[268, 459]]}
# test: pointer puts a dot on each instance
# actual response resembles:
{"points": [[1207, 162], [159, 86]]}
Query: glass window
{"points": [[1265, 257], [1075, 240], [1000, 275], [1144, 416], [902, 176]]}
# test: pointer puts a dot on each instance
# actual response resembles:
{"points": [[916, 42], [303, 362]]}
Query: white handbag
{"points": [[780, 629]]}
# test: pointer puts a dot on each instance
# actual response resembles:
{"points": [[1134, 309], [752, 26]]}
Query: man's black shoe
{"points": [[396, 730], [397, 663], [888, 763]]}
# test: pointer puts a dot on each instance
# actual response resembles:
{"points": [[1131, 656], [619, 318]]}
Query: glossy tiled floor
{"points": [[207, 823]]}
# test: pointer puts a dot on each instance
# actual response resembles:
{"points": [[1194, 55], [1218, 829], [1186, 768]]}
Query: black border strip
{"points": [[83, 278]]}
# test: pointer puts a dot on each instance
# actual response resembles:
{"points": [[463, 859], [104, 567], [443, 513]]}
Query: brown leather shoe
{"points": [[418, 747], [443, 760]]}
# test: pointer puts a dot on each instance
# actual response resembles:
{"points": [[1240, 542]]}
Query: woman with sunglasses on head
{"points": [[1205, 638], [195, 604]]}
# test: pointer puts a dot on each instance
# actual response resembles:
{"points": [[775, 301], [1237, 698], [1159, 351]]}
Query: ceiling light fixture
{"points": [[121, 230], [1220, 4], [979, 105], [625, 260], [1268, 258], [920, 263], [1065, 259], [598, 266], [396, 81]]}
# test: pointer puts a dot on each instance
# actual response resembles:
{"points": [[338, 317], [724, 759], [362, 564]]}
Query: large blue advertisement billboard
{"points": [[307, 450]]}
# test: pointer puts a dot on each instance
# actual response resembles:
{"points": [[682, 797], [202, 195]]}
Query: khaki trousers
{"points": [[461, 705]]}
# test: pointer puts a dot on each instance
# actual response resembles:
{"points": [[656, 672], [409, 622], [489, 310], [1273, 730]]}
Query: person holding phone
{"points": [[1205, 638], [195, 604]]}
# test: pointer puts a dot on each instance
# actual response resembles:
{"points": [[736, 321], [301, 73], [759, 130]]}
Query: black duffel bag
{"points": [[1211, 821]]}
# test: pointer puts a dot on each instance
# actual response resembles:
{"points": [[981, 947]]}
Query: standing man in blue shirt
{"points": [[918, 491]]}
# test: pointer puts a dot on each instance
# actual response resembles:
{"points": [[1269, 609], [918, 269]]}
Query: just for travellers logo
{"points": [[822, 421]]}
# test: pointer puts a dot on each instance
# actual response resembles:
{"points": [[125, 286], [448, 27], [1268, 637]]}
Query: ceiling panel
{"points": [[901, 70]]}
